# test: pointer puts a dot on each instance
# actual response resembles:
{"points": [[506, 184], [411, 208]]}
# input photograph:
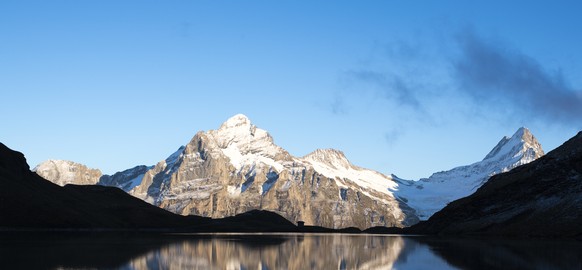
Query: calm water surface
{"points": [[280, 251]]}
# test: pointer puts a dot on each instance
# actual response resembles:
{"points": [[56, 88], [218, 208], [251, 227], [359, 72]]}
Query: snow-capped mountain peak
{"points": [[240, 131], [431, 194], [331, 157], [521, 145], [246, 145], [238, 120]]}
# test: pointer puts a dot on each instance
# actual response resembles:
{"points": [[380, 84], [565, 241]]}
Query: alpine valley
{"points": [[238, 168]]}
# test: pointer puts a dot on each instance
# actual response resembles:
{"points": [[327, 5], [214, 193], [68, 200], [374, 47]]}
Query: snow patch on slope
{"points": [[333, 164], [171, 161], [135, 181]]}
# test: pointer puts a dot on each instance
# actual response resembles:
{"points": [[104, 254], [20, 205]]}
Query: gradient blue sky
{"points": [[403, 87]]}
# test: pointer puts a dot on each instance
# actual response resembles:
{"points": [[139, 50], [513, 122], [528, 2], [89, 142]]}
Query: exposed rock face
{"points": [[62, 172], [539, 198], [238, 168], [430, 195]]}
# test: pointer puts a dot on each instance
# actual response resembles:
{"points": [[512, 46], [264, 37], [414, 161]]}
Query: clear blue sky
{"points": [[403, 87]]}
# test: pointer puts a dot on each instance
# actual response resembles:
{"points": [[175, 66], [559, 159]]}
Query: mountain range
{"points": [[238, 168]]}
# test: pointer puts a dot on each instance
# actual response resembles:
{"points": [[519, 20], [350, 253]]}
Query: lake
{"points": [[280, 251]]}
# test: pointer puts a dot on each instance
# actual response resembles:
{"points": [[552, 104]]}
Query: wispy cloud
{"points": [[391, 87], [469, 76], [338, 105], [498, 76], [392, 136]]}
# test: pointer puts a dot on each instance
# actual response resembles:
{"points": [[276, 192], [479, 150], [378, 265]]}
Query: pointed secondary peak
{"points": [[330, 157], [521, 143], [326, 153], [525, 136], [236, 121], [522, 132]]}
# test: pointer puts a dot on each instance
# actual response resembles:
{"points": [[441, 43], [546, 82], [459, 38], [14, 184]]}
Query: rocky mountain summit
{"points": [[238, 168]]}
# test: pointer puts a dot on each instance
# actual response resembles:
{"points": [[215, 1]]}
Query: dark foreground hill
{"points": [[542, 198], [28, 201]]}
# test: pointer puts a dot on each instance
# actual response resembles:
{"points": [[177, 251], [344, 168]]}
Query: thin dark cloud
{"points": [[338, 105], [500, 77], [392, 136], [391, 87], [467, 79]]}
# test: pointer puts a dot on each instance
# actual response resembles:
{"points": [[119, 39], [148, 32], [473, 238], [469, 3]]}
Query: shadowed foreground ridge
{"points": [[542, 198], [28, 201]]}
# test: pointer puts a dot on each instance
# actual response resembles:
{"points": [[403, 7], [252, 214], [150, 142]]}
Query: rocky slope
{"points": [[430, 195], [543, 197]]}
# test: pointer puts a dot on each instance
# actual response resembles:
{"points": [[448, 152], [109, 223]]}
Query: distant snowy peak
{"points": [[429, 195], [330, 157], [522, 145], [63, 172], [510, 152]]}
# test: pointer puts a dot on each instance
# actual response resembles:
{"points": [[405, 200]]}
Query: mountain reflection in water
{"points": [[277, 252], [280, 251]]}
